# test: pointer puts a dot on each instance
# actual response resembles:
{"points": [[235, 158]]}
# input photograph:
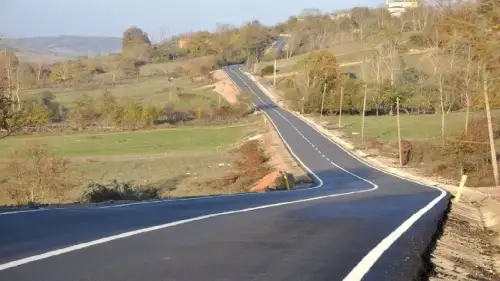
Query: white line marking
{"points": [[22, 211], [158, 227], [360, 270], [284, 118], [153, 228]]}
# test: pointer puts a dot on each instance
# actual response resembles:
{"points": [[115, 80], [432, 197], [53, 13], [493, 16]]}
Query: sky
{"points": [[29, 18]]}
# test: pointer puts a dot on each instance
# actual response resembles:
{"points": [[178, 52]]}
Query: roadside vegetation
{"points": [[148, 122], [435, 65]]}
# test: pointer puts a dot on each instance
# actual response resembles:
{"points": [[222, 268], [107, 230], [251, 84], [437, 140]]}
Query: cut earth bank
{"points": [[468, 245], [280, 158]]}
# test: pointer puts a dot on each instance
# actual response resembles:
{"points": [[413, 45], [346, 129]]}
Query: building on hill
{"points": [[340, 15], [183, 42], [397, 7]]}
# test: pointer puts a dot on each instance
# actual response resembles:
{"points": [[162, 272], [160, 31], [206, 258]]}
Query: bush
{"points": [[36, 175], [118, 191], [281, 183], [268, 70], [418, 40]]}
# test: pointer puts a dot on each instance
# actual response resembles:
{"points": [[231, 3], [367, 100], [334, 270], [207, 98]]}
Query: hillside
{"points": [[61, 47]]}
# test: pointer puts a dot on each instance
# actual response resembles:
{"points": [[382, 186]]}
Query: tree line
{"points": [[455, 39]]}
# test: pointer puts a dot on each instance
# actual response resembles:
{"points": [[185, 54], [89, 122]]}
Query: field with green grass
{"points": [[156, 90], [413, 127], [176, 160]]}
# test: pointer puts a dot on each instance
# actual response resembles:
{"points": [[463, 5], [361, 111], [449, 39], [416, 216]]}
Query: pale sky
{"points": [[27, 18]]}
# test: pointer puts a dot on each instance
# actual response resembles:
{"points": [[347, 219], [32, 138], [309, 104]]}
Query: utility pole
{"points": [[364, 101], [494, 163], [274, 77], [322, 102], [341, 101], [363, 114], [399, 133]]}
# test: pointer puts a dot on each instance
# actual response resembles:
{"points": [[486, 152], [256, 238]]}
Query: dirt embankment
{"points": [[280, 157], [225, 87]]}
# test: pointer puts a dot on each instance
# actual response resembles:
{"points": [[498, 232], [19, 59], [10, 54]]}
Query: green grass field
{"points": [[148, 90], [413, 127], [133, 143], [176, 160]]}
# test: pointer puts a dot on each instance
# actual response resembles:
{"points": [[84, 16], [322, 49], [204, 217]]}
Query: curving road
{"points": [[359, 223]]}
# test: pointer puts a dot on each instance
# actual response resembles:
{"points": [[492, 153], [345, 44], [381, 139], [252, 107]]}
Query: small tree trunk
{"points": [[441, 94], [341, 102], [274, 74], [467, 113], [400, 149], [363, 114], [322, 102]]}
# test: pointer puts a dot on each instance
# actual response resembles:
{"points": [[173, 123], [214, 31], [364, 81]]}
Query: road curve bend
{"points": [[358, 223]]}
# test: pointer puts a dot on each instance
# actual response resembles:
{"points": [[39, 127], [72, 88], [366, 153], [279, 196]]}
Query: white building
{"points": [[397, 7], [340, 15]]}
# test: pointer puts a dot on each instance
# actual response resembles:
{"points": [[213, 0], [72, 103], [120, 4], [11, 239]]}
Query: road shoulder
{"points": [[469, 245]]}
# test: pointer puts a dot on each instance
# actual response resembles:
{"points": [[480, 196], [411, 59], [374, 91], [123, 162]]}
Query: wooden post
{"points": [[363, 115], [341, 101], [460, 188], [322, 102], [364, 100], [274, 77], [399, 133], [494, 163]]}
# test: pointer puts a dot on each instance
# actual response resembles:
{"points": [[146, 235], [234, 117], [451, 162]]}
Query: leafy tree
{"points": [[318, 69], [107, 106], [136, 44], [84, 112], [36, 114]]}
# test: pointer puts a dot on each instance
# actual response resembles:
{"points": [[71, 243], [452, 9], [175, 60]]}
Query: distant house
{"points": [[183, 43], [398, 7], [340, 15]]}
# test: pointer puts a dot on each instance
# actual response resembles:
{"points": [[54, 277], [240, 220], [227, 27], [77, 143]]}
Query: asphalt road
{"points": [[358, 224], [279, 45]]}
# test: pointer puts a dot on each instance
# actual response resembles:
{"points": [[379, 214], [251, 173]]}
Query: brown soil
{"points": [[281, 159], [464, 251], [225, 87]]}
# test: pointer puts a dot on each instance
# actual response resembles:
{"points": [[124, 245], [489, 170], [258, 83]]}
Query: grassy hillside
{"points": [[174, 160]]}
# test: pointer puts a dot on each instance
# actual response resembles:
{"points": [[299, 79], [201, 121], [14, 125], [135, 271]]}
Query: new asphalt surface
{"points": [[359, 223]]}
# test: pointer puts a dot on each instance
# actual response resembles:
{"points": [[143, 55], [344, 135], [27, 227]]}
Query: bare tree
{"points": [[36, 173], [467, 93], [365, 88]]}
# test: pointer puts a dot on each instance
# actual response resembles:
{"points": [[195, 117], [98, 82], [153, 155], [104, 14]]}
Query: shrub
{"points": [[117, 191], [36, 174], [268, 70], [281, 183], [418, 40]]}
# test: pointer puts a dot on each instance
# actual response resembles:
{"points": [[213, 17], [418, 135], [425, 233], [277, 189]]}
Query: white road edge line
{"points": [[360, 270], [80, 246], [22, 211]]}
